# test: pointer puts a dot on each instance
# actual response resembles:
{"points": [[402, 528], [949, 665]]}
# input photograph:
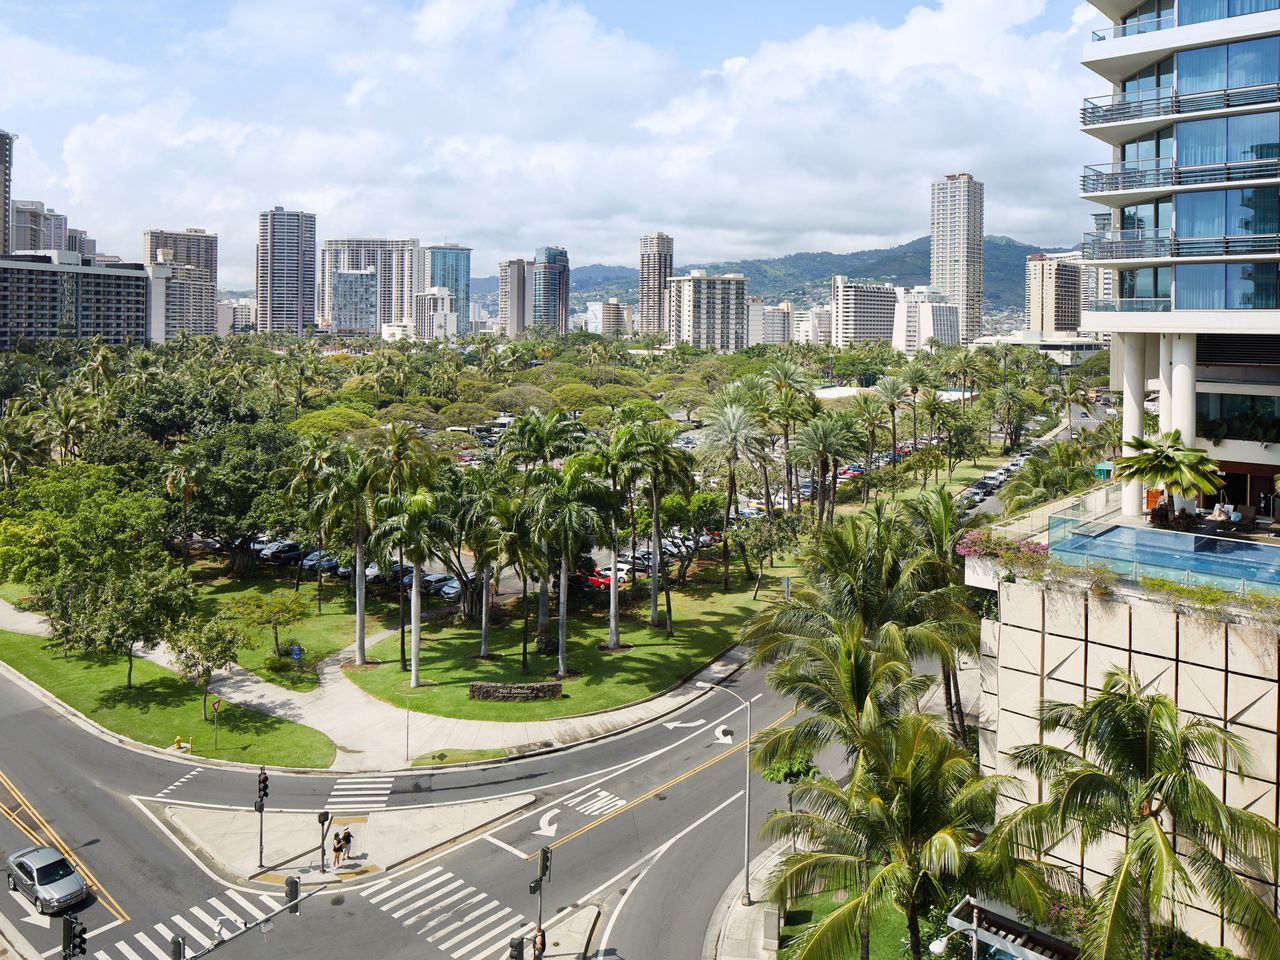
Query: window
{"points": [[1253, 137], [1253, 212], [1198, 11], [1148, 216], [1145, 284], [1157, 75], [1200, 286], [1251, 286], [1201, 214], [1253, 62], [1202, 70], [1150, 147], [1202, 142]]}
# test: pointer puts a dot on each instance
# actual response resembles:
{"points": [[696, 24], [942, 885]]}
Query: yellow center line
{"points": [[56, 840], [657, 790], [12, 817]]}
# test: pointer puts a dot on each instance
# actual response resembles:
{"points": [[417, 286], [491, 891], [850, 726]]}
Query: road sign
{"points": [[535, 886], [295, 652], [217, 704]]}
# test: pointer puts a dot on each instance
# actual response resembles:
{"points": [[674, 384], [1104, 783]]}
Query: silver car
{"points": [[44, 877]]}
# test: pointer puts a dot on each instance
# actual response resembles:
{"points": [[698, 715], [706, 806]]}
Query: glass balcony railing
{"points": [[1134, 28], [1133, 305], [1162, 172], [1164, 244], [1167, 102]]}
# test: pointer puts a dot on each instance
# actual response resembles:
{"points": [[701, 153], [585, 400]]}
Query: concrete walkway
{"points": [[372, 735]]}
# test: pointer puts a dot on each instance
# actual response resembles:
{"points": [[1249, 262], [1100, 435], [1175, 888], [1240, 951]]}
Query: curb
{"points": [[762, 863], [91, 726], [10, 936]]}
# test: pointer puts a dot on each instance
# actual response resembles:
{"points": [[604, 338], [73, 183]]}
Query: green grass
{"points": [[459, 756], [320, 634], [707, 622], [15, 593], [963, 475], [888, 930], [162, 706]]}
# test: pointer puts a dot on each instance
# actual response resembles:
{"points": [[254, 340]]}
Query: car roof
{"points": [[40, 856]]}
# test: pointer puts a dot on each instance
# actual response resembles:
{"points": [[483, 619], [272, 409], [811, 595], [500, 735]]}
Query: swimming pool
{"points": [[1190, 558]]}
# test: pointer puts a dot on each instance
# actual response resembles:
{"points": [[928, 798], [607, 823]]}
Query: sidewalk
{"points": [[371, 734], [737, 932]]}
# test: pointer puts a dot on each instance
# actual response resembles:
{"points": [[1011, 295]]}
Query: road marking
{"points": [[491, 938], [360, 793], [30, 914], [189, 929], [456, 923], [128, 951], [207, 920], [179, 782], [723, 735], [253, 911], [407, 883], [680, 724], [470, 917], [225, 911], [97, 954], [545, 827], [427, 898], [150, 947], [505, 846], [596, 802]]}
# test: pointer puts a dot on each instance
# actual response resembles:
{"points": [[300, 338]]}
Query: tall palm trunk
{"points": [[656, 547], [563, 650], [415, 619], [359, 575], [787, 466], [820, 501], [319, 571], [831, 506], [544, 598], [731, 495], [913, 933], [866, 468], [484, 614], [404, 666], [615, 639], [524, 639], [961, 722]]}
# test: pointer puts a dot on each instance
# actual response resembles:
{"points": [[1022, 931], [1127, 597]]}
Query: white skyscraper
{"points": [[396, 263], [286, 271], [515, 296], [861, 311], [657, 251], [708, 311], [924, 314], [956, 227]]}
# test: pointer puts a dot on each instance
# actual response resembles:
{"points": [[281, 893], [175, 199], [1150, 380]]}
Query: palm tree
{"points": [[824, 441], [308, 467], [182, 478], [17, 448], [403, 462], [1166, 462], [904, 834], [1050, 473], [663, 466], [413, 527], [1134, 778], [732, 435], [866, 414], [348, 494], [64, 421], [893, 392], [486, 518], [618, 460]]}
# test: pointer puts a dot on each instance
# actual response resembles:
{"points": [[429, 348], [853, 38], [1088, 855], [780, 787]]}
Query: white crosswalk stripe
{"points": [[360, 793], [198, 926], [457, 918]]}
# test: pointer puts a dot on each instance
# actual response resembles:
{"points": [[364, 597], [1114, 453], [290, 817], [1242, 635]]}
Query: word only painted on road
{"points": [[593, 803]]}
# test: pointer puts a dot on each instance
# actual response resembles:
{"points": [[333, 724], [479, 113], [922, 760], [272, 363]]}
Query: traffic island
{"points": [[227, 839]]}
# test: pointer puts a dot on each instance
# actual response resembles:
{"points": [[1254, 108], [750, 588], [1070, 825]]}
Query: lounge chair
{"points": [[1248, 516]]}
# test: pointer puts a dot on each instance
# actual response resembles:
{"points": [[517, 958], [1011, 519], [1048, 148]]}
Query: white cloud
{"points": [[508, 125]]}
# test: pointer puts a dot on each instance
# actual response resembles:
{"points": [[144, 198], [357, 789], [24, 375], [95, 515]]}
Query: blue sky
{"points": [[742, 127]]}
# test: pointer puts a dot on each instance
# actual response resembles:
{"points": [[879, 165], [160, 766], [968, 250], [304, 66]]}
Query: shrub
{"points": [[1162, 517]]}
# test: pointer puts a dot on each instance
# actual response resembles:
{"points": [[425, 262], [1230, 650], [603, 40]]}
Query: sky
{"points": [[743, 128]]}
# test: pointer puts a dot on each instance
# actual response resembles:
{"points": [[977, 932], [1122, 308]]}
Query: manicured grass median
{"points": [[441, 757], [888, 930], [161, 706], [707, 622]]}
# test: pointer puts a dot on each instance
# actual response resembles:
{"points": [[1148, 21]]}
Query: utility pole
{"points": [[323, 818], [261, 806]]}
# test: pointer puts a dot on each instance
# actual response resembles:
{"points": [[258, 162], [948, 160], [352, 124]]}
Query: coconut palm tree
{"points": [[867, 414], [304, 477], [893, 392], [1133, 777], [617, 460], [348, 493], [732, 435], [18, 448], [64, 422], [1166, 462], [402, 462], [1051, 472], [823, 442], [664, 467], [182, 478]]}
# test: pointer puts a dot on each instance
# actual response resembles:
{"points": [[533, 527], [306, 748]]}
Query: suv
{"points": [[282, 551]]}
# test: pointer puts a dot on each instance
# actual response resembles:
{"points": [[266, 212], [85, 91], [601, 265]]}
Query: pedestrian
{"points": [[347, 840], [337, 849], [539, 943]]}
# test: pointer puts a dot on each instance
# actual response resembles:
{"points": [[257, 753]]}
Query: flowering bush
{"points": [[984, 543]]}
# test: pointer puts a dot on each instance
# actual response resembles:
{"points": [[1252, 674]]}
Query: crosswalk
{"points": [[199, 925], [360, 793], [456, 918]]}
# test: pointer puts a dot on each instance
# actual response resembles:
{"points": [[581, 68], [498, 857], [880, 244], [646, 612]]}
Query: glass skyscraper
{"points": [[551, 288], [449, 265]]}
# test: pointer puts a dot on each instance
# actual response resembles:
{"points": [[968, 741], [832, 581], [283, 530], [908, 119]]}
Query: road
{"points": [[649, 824]]}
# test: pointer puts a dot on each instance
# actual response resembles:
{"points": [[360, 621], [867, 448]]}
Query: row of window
{"points": [[1206, 286], [1245, 63], [1196, 11]]}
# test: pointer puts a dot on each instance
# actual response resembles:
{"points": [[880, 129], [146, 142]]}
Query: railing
{"points": [[1034, 524], [1133, 305], [1134, 28], [1166, 101], [1161, 172], [1163, 244]]}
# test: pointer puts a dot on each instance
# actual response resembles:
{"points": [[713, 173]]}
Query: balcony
{"points": [[1132, 305], [1118, 245], [1134, 28], [1167, 102], [1160, 172]]}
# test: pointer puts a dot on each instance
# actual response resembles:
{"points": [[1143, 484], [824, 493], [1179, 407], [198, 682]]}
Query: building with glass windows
{"points": [[1191, 229], [550, 281], [449, 265]]}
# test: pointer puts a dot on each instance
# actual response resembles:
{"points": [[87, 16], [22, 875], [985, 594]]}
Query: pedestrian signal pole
{"points": [[261, 806]]}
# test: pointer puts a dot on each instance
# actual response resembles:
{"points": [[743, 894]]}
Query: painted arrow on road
{"points": [[723, 735], [680, 724], [33, 917], [545, 827]]}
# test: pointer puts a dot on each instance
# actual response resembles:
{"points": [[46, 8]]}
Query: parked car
{"points": [[450, 590], [259, 545], [324, 562], [43, 876], [282, 551]]}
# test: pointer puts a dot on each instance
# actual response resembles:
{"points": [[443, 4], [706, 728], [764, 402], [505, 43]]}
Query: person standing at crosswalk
{"points": [[539, 943], [338, 847]]}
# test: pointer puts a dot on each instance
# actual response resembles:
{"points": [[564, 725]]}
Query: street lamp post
{"points": [[939, 946], [746, 817]]}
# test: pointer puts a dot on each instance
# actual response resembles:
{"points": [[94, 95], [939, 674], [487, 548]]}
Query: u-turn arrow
{"points": [[545, 827], [723, 734]]}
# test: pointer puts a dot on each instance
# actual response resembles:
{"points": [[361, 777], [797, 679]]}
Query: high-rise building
{"points": [[956, 228], [515, 296], [6, 191], [767, 323], [657, 251], [922, 315], [449, 265], [861, 311], [237, 316], [286, 271], [193, 300], [812, 326], [36, 227], [551, 288], [79, 241], [436, 315], [616, 318], [47, 294], [707, 311], [1053, 293], [398, 268], [353, 301]]}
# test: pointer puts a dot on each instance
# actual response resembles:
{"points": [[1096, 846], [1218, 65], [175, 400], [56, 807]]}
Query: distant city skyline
{"points": [[784, 132]]}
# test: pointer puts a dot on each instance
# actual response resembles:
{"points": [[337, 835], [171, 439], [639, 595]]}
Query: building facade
{"points": [[708, 311], [657, 253], [193, 295], [1191, 226], [515, 296], [397, 271], [812, 326], [616, 319], [956, 253], [47, 294], [354, 303], [6, 191], [449, 265], [33, 226], [237, 317], [436, 315], [767, 323], [286, 271], [861, 311], [550, 282], [921, 315], [1054, 288], [79, 241]]}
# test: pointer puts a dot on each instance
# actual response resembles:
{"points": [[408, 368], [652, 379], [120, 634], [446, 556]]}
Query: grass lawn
{"points": [[162, 706], [706, 620], [458, 756], [320, 634], [888, 931], [15, 593], [963, 475]]}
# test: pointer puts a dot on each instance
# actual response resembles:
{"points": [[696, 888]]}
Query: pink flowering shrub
{"points": [[985, 543]]}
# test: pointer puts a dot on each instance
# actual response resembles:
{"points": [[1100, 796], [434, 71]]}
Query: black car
{"points": [[287, 552]]}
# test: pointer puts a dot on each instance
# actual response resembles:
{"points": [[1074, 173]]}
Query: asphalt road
{"points": [[649, 824]]}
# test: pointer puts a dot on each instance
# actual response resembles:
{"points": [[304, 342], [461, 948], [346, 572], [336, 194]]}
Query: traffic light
{"points": [[517, 949], [292, 890], [263, 780], [544, 862], [75, 937]]}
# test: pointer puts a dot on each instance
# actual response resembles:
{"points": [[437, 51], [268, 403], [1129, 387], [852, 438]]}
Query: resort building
{"points": [[708, 311]]}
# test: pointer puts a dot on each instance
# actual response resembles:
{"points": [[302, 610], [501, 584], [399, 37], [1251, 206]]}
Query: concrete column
{"points": [[1183, 383], [1135, 362], [1166, 381]]}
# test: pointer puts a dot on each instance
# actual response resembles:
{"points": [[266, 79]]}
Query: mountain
{"points": [[806, 277]]}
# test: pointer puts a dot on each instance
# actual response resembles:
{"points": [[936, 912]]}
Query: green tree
{"points": [[665, 467], [347, 498], [1167, 462], [201, 649], [733, 435], [182, 479], [275, 611], [867, 415]]}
